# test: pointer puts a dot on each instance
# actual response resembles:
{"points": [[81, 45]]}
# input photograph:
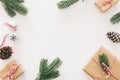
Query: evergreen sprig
{"points": [[13, 6], [66, 3], [115, 18], [48, 71], [103, 59]]}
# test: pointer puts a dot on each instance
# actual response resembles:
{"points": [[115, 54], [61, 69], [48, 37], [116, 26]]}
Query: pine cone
{"points": [[5, 52], [113, 36]]}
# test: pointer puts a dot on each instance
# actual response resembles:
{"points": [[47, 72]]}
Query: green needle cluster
{"points": [[48, 71], [13, 6], [103, 59], [66, 3], [115, 18]]}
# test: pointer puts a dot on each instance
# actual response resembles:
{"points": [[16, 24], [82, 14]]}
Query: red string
{"points": [[107, 2], [4, 39], [109, 71], [12, 71], [9, 25]]}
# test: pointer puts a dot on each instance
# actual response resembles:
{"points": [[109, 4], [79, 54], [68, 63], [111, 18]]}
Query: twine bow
{"points": [[107, 69], [106, 2], [12, 71]]}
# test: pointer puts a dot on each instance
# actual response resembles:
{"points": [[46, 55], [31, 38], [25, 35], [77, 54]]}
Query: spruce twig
{"points": [[115, 18], [13, 6], [48, 71], [103, 59], [66, 3]]}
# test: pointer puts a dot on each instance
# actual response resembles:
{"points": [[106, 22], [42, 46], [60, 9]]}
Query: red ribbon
{"points": [[12, 71], [9, 25], [4, 39], [107, 2], [107, 69]]}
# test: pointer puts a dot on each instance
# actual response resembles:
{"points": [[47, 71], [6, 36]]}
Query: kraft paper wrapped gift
{"points": [[5, 71], [93, 70], [103, 6]]}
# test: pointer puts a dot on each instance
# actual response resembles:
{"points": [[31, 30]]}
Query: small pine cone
{"points": [[113, 36], [5, 52]]}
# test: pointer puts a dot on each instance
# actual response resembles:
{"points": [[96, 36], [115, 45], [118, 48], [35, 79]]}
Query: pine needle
{"points": [[48, 71], [115, 18], [103, 59], [66, 3], [13, 6]]}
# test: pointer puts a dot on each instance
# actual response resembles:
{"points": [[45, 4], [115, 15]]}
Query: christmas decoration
{"points": [[5, 52], [11, 71], [113, 36], [13, 37], [103, 59], [3, 41], [103, 66], [66, 3], [104, 5], [12, 25], [13, 6], [115, 18], [48, 72]]}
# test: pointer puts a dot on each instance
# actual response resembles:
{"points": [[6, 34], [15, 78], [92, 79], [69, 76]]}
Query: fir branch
{"points": [[103, 59], [13, 6], [66, 3], [9, 11], [48, 71], [115, 18]]}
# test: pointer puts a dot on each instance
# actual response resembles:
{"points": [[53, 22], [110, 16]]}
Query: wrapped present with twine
{"points": [[104, 5], [103, 66], [11, 71]]}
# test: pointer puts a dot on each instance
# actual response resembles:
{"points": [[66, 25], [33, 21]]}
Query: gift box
{"points": [[104, 5], [11, 71], [94, 69]]}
